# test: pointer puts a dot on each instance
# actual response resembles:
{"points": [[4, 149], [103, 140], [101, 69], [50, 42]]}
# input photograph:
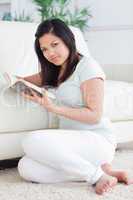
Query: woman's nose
{"points": [[51, 53]]}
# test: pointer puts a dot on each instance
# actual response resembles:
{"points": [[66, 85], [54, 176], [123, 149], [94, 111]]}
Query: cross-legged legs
{"points": [[65, 155], [34, 171]]}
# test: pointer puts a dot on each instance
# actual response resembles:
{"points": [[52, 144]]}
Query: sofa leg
{"points": [[9, 163]]}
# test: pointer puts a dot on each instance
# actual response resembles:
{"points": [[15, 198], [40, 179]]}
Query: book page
{"points": [[26, 87], [10, 79], [21, 87]]}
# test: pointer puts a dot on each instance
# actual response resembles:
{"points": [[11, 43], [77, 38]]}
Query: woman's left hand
{"points": [[45, 101]]}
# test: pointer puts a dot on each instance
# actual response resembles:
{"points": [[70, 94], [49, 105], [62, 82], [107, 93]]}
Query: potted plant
{"points": [[59, 9], [8, 17]]}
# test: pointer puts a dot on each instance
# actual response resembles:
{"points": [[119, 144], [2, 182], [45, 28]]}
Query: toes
{"points": [[103, 188], [123, 177], [105, 185], [129, 182]]}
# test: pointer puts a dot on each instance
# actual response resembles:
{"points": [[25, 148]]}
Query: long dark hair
{"points": [[49, 71]]}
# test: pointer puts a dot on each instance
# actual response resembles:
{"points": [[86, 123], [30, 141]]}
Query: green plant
{"points": [[59, 9], [23, 18], [7, 17]]}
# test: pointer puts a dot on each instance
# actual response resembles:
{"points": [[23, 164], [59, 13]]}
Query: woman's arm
{"points": [[93, 94]]}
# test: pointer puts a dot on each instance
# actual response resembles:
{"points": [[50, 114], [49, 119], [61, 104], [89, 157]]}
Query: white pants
{"points": [[58, 155]]}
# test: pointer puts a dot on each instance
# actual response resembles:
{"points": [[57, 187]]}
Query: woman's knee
{"points": [[35, 142], [42, 146], [24, 167]]}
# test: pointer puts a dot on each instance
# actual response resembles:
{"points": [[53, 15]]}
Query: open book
{"points": [[21, 85]]}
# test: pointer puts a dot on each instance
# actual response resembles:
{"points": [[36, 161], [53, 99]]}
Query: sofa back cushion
{"points": [[17, 48], [118, 101]]}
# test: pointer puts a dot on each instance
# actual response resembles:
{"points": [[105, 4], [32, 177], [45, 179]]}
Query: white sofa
{"points": [[18, 116]]}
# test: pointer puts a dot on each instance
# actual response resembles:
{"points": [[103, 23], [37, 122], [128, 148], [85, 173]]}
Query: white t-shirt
{"points": [[69, 94]]}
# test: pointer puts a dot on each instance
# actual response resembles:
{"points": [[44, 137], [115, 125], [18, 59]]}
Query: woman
{"points": [[84, 145]]}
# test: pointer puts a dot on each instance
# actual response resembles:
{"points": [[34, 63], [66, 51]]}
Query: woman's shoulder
{"points": [[88, 67], [86, 63]]}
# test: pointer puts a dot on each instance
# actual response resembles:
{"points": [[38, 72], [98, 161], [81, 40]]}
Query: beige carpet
{"points": [[12, 187]]}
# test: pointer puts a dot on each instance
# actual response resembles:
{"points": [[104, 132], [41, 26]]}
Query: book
{"points": [[21, 85]]}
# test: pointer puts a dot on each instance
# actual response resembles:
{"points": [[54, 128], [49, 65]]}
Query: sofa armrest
{"points": [[19, 114]]}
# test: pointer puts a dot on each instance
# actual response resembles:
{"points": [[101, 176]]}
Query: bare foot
{"points": [[122, 176], [105, 183]]}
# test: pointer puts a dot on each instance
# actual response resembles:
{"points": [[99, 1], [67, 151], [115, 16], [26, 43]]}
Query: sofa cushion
{"points": [[118, 101], [10, 144], [123, 131]]}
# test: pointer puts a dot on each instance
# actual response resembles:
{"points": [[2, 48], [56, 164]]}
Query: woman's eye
{"points": [[55, 44], [44, 50]]}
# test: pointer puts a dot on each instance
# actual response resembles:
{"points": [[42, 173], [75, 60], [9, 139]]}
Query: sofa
{"points": [[19, 116]]}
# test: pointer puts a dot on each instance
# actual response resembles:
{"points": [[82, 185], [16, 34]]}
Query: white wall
{"points": [[110, 37], [111, 47], [110, 12]]}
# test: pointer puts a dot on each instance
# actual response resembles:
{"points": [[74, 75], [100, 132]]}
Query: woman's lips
{"points": [[54, 58]]}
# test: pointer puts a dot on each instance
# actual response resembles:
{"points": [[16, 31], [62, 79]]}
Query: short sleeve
{"points": [[89, 68]]}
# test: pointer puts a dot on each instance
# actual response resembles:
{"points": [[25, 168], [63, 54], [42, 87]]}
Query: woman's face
{"points": [[54, 49]]}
